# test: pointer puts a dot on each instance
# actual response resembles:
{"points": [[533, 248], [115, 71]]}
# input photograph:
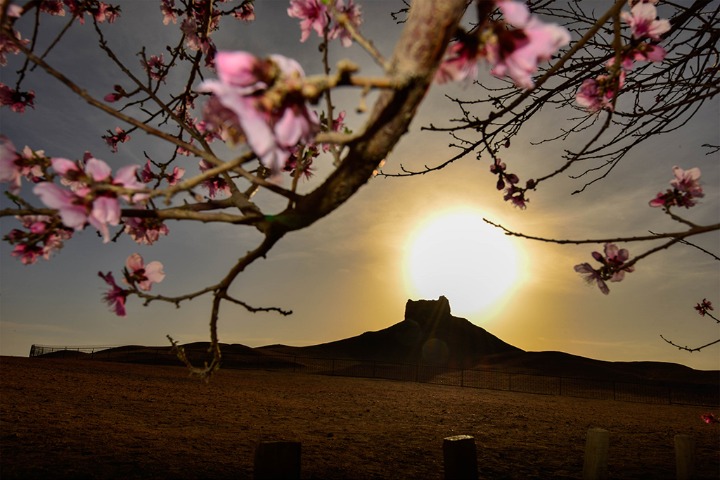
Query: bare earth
{"points": [[90, 419]]}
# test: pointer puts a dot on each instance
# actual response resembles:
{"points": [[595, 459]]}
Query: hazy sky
{"points": [[351, 272]]}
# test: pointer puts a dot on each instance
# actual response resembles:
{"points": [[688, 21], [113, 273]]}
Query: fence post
{"points": [[684, 457], [460, 458], [596, 452], [277, 460]]}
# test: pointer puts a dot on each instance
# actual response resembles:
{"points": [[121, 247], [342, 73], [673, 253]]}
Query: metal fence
{"points": [[505, 380]]}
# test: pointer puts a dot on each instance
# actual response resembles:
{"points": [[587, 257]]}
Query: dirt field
{"points": [[90, 419]]}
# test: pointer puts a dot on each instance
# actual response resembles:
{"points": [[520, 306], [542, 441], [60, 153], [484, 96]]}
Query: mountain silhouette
{"points": [[429, 335]]}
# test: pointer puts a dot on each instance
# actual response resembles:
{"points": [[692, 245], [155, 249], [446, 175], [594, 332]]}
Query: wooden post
{"points": [[277, 460], [684, 457], [460, 457], [596, 453]]}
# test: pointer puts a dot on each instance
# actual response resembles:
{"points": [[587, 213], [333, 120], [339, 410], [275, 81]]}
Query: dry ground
{"points": [[91, 419]]}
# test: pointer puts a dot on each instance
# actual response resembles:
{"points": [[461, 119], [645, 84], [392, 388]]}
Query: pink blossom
{"points": [[155, 67], [9, 165], [649, 53], [516, 195], [8, 46], [41, 239], [687, 181], [147, 175], [126, 177], [596, 94], [176, 175], [53, 7], [14, 165], [104, 12], [167, 7], [591, 275], [100, 11], [632, 3], [615, 258], [460, 62], [312, 14], [145, 231], [686, 188], [272, 131], [81, 204], [245, 12], [354, 17], [98, 170], [15, 99], [117, 94], [73, 213], [338, 124], [612, 267], [143, 275], [116, 296], [105, 211], [516, 53], [190, 27], [216, 184], [643, 21], [112, 140]]}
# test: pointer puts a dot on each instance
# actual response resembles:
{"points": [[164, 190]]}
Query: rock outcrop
{"points": [[428, 335]]}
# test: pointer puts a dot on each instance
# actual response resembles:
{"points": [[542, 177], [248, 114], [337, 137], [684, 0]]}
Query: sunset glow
{"points": [[458, 255]]}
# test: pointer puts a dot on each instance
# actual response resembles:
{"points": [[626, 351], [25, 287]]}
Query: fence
{"points": [[506, 380]]}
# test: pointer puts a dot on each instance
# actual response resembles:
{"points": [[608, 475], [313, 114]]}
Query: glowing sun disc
{"points": [[458, 255]]}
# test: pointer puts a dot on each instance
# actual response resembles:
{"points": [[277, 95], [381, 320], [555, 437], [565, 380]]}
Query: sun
{"points": [[458, 255]]}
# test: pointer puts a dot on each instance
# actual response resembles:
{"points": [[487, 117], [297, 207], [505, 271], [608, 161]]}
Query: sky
{"points": [[352, 271]]}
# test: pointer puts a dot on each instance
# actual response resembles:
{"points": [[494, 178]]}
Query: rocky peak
{"points": [[424, 311]]}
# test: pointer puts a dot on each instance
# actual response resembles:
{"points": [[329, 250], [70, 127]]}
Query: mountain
{"points": [[429, 335]]}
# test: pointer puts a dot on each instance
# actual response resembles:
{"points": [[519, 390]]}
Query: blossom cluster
{"points": [[43, 236], [509, 182], [612, 267], [90, 193], [198, 23], [686, 189], [245, 102], [600, 93], [513, 47], [14, 165], [315, 15]]}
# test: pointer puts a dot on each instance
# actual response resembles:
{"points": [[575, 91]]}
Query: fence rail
{"points": [[647, 392]]}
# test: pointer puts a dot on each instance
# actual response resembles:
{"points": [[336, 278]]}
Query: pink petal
{"points": [[515, 13], [73, 216], [97, 169], [134, 262], [63, 166], [154, 272], [238, 69], [105, 211]]}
